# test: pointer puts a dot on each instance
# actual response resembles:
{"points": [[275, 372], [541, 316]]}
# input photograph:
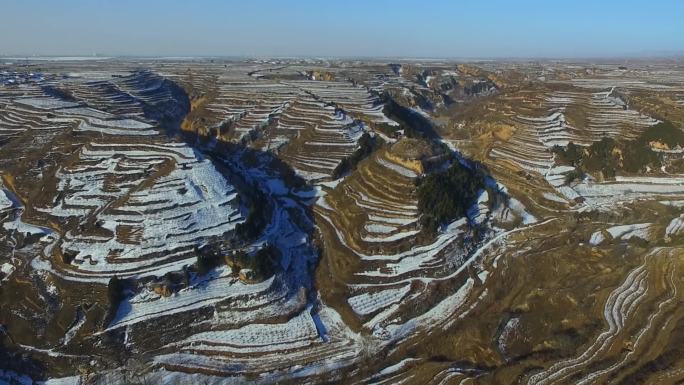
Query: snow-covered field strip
{"points": [[607, 193], [639, 230], [220, 287], [46, 103], [291, 349], [398, 168], [368, 303], [299, 330], [115, 127], [675, 227], [608, 82]]}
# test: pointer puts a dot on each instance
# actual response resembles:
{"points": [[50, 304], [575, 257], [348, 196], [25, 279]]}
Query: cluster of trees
{"points": [[604, 156], [258, 214], [447, 195], [570, 155], [115, 289], [414, 124], [664, 132], [207, 260], [367, 145], [287, 173], [609, 155], [13, 358], [115, 294], [59, 93], [262, 263]]}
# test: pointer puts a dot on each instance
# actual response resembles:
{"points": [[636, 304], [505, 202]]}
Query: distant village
{"points": [[10, 77]]}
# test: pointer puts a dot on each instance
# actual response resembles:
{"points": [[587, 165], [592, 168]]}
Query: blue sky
{"points": [[403, 28]]}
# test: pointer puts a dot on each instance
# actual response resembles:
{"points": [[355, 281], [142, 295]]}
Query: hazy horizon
{"points": [[353, 29]]}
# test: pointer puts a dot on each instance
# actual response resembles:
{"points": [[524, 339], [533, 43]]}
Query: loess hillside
{"points": [[330, 221]]}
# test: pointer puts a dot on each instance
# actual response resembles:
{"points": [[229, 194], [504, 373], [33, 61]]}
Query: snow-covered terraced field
{"points": [[653, 286], [620, 305], [374, 220], [639, 84], [140, 207], [132, 244], [625, 189], [606, 115], [369, 303], [318, 150], [383, 197], [312, 125], [525, 150], [142, 95], [675, 227], [208, 291], [249, 105], [129, 202], [309, 344], [355, 100], [19, 115], [602, 114]]}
